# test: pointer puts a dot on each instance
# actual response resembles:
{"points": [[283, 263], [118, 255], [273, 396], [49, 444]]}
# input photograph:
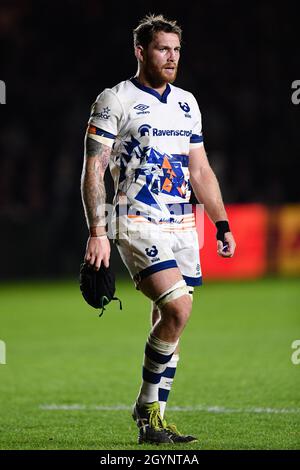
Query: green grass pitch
{"points": [[236, 386]]}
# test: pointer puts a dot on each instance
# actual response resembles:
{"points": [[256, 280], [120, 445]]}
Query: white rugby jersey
{"points": [[151, 136]]}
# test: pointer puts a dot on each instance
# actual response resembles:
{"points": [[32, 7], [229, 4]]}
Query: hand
{"points": [[229, 245], [97, 251]]}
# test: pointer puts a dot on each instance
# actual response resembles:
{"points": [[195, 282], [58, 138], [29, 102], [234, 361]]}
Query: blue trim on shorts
{"points": [[193, 281], [171, 263]]}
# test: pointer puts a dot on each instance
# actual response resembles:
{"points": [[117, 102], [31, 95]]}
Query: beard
{"points": [[159, 76]]}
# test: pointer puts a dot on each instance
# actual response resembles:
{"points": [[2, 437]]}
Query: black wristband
{"points": [[222, 228]]}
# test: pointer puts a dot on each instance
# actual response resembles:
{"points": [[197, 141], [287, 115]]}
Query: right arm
{"points": [[207, 190], [96, 158]]}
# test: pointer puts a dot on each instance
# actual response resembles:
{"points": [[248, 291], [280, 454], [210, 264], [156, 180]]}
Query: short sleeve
{"points": [[196, 139], [105, 119]]}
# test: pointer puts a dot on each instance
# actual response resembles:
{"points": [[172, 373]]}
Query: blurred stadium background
{"points": [[240, 63]]}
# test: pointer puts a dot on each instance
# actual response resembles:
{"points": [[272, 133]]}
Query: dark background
{"points": [[238, 58]]}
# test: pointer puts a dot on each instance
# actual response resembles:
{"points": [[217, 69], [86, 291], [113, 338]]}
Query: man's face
{"points": [[161, 58]]}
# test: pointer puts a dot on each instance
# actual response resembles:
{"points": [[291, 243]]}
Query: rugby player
{"points": [[150, 134]]}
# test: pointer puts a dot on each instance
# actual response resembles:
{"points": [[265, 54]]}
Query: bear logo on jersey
{"points": [[185, 107], [151, 251]]}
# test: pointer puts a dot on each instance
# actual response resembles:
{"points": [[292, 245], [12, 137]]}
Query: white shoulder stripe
{"points": [[101, 139]]}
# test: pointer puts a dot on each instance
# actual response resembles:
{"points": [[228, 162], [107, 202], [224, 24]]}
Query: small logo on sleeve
{"points": [[104, 114]]}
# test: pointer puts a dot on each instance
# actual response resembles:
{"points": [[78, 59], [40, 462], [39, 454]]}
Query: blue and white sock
{"points": [[166, 382], [158, 354]]}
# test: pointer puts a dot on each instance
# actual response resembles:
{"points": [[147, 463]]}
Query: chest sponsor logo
{"points": [[146, 129]]}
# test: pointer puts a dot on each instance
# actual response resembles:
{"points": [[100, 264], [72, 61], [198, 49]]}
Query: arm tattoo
{"points": [[92, 182], [97, 149]]}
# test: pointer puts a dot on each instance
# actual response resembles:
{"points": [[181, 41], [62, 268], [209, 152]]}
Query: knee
{"points": [[183, 308], [155, 314], [179, 311]]}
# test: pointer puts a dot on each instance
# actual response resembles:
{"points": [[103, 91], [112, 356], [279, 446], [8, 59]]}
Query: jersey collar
{"points": [[162, 98]]}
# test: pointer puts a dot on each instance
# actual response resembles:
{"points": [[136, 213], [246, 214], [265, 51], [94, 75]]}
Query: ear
{"points": [[139, 53]]}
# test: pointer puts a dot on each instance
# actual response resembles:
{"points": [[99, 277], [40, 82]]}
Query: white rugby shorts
{"points": [[146, 253]]}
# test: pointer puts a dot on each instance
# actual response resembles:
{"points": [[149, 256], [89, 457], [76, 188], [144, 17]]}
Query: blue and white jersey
{"points": [[151, 136]]}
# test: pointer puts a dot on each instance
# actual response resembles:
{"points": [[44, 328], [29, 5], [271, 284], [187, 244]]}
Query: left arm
{"points": [[207, 191]]}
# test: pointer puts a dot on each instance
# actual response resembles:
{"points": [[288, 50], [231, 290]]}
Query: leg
{"points": [[163, 339], [167, 288], [166, 381], [175, 313], [175, 307], [155, 317]]}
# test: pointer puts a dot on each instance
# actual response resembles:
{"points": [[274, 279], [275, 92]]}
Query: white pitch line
{"points": [[208, 409]]}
